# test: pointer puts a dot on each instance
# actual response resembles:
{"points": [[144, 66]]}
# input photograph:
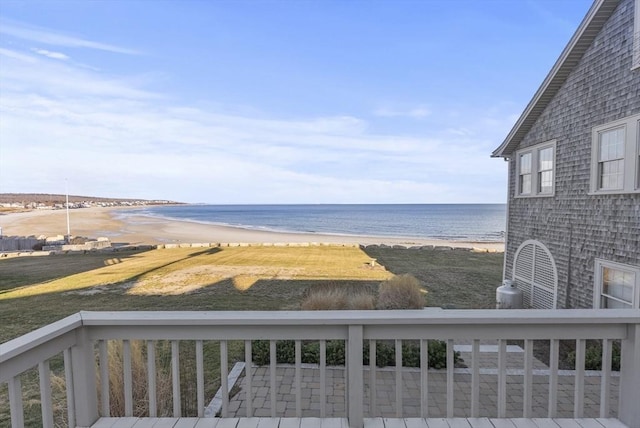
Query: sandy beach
{"points": [[135, 230]]}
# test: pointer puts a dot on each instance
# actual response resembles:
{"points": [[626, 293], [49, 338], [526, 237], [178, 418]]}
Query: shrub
{"points": [[593, 356], [385, 353], [401, 292]]}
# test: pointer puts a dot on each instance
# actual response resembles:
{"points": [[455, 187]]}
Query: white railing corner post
{"points": [[629, 411], [84, 379], [355, 386]]}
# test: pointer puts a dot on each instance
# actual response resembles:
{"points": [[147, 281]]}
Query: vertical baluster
{"points": [[15, 402], [128, 378], [175, 377], [502, 378], [346, 378], [298, 379], [272, 376], [554, 347], [450, 379], [68, 383], [200, 377], [373, 390], [424, 378], [528, 379], [578, 400], [323, 378], [399, 405], [475, 378], [248, 362], [104, 378], [353, 364], [224, 376], [44, 373], [151, 378], [605, 380]]}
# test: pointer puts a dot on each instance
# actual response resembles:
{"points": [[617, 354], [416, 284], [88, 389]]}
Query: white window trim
{"points": [[635, 61], [534, 150], [597, 287], [630, 179]]}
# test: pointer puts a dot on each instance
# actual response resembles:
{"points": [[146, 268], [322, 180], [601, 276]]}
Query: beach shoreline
{"points": [[135, 229]]}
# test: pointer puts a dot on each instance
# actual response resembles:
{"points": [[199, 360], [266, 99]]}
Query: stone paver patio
{"points": [[385, 385]]}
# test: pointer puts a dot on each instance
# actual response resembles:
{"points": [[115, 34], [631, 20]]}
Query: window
{"points": [[535, 170], [535, 274], [525, 174], [611, 159], [617, 286], [614, 164], [545, 170]]}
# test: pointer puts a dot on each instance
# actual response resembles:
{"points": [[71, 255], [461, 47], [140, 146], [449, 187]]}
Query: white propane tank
{"points": [[508, 296]]}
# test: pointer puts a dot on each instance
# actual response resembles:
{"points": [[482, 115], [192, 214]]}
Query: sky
{"points": [[270, 102]]}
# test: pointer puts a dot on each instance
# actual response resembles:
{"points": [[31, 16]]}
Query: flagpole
{"points": [[68, 223]]}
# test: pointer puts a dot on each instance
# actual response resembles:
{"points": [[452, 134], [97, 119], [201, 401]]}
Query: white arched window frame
{"points": [[536, 275]]}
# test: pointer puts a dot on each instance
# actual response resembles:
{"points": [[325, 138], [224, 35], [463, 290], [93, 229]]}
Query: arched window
{"points": [[535, 274]]}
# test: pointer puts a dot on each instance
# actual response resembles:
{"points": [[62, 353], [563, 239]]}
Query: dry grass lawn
{"points": [[35, 291]]}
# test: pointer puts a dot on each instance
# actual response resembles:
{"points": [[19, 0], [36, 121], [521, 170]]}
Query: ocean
{"points": [[457, 222]]}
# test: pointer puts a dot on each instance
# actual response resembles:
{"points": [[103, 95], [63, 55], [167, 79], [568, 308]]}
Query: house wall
{"points": [[575, 226]]}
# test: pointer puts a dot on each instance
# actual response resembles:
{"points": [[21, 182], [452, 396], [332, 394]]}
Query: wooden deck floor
{"points": [[342, 423]]}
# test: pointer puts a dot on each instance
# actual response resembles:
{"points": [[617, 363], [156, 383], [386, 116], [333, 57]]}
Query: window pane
{"points": [[545, 181], [611, 174], [545, 159], [525, 183], [525, 163], [611, 144], [617, 283], [613, 304]]}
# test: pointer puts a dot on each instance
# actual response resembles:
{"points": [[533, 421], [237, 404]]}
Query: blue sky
{"points": [[270, 101]]}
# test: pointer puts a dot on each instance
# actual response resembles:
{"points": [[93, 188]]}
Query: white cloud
{"points": [[418, 112], [18, 56], [52, 38], [50, 54], [111, 136]]}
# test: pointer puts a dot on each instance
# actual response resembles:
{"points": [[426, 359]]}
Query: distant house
{"points": [[573, 224]]}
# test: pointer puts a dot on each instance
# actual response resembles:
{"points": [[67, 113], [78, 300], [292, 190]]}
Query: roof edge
{"points": [[577, 46]]}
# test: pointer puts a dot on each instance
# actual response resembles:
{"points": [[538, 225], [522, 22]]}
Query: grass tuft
{"points": [[334, 296], [401, 292]]}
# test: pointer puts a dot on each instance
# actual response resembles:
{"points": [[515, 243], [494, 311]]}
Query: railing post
{"points": [[629, 411], [355, 386], [84, 379]]}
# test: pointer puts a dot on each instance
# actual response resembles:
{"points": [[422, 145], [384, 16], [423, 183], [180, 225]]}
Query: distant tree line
{"points": [[50, 199]]}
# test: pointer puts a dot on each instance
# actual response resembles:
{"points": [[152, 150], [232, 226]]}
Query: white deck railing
{"points": [[82, 339]]}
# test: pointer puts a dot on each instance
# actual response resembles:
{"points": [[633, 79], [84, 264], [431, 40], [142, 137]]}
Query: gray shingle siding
{"points": [[577, 227]]}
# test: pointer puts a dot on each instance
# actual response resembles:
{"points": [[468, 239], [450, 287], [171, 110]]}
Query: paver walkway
{"points": [[385, 385]]}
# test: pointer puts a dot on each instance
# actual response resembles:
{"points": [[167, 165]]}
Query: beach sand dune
{"points": [[136, 230]]}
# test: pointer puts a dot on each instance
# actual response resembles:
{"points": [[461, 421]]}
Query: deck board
{"points": [[342, 423]]}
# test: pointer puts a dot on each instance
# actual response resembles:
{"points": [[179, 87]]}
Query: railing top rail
{"points": [[28, 341], [397, 317], [33, 339]]}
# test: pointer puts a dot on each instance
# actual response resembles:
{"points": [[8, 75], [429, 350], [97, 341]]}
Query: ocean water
{"points": [[460, 222]]}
